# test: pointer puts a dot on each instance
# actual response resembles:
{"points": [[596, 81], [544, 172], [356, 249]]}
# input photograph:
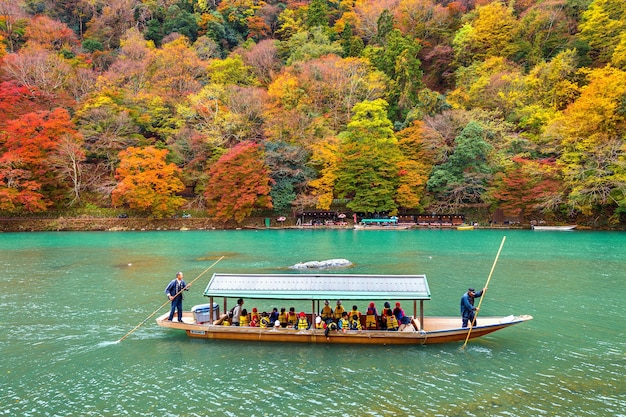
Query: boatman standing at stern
{"points": [[174, 292], [468, 311]]}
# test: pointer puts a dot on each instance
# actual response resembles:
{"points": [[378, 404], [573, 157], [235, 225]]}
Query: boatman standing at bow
{"points": [[174, 292], [468, 311]]}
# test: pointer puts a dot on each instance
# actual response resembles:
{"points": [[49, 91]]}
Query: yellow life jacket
{"points": [[344, 324], [327, 313], [303, 323], [355, 324], [282, 318], [264, 322], [370, 321], [354, 313], [339, 312], [225, 323], [244, 321], [292, 318], [320, 325], [392, 322]]}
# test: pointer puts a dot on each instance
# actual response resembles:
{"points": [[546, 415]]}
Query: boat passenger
{"points": [[237, 312], [277, 325], [253, 321], [282, 318], [244, 318], [386, 313], [255, 313], [371, 319], [303, 322], [344, 322], [264, 323], [392, 323], [400, 316], [225, 322], [332, 326], [355, 311], [339, 310], [355, 323], [319, 323], [327, 312], [292, 318], [273, 316]]}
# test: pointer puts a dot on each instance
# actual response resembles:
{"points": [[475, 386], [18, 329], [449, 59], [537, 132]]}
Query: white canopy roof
{"points": [[319, 286]]}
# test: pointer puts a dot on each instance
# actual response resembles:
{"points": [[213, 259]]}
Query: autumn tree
{"points": [[262, 59], [367, 172], [463, 179], [490, 33], [601, 26], [13, 22], [40, 68], [176, 70], [397, 57], [33, 161], [528, 186], [109, 23], [147, 182], [289, 172], [49, 33], [591, 134], [415, 167], [238, 184], [314, 100], [325, 157], [16, 100]]}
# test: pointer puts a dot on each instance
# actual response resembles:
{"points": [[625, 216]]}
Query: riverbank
{"points": [[90, 224]]}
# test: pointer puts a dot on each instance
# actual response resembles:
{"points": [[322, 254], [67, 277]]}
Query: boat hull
{"points": [[555, 228], [436, 330]]}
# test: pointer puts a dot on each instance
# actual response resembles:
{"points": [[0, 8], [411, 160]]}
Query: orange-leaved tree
{"points": [[147, 183], [238, 184]]}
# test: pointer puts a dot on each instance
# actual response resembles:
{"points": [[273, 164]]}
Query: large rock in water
{"points": [[329, 263]]}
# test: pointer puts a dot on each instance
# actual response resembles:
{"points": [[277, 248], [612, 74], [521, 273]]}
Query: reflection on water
{"points": [[69, 297]]}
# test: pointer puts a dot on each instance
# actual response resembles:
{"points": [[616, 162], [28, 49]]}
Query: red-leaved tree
{"points": [[238, 184], [31, 178]]}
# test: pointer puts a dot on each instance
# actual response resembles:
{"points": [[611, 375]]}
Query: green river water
{"points": [[66, 298]]}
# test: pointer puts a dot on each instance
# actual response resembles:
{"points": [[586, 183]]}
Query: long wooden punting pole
{"points": [[164, 304], [483, 297]]}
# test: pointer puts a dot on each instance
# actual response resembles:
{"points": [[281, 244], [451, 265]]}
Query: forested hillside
{"points": [[376, 106]]}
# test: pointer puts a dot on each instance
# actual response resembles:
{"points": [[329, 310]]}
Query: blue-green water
{"points": [[67, 297]]}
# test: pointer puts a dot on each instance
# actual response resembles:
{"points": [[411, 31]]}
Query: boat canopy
{"points": [[379, 221], [319, 286]]}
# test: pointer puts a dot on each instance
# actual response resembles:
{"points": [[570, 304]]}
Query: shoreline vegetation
{"points": [[149, 224]]}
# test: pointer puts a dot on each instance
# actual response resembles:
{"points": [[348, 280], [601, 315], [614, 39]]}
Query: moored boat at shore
{"points": [[554, 228], [313, 288]]}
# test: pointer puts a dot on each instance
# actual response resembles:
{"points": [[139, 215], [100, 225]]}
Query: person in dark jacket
{"points": [[174, 292], [468, 311]]}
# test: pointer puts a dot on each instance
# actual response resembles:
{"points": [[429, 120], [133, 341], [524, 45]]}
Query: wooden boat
{"points": [[400, 226], [316, 287], [557, 228]]}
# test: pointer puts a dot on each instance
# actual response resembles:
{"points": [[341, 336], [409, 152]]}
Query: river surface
{"points": [[68, 297]]}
